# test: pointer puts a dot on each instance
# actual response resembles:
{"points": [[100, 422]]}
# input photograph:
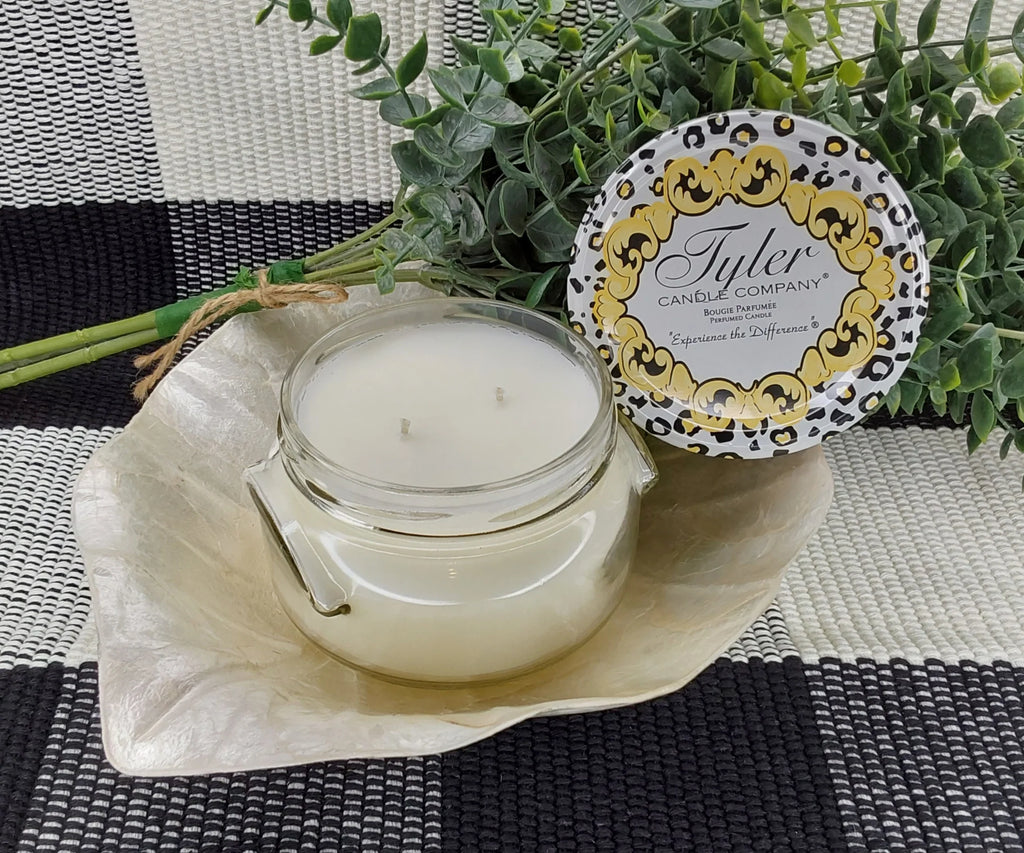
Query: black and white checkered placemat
{"points": [[149, 147]]}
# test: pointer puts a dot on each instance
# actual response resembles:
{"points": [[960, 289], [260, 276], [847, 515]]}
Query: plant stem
{"points": [[342, 271], [75, 358], [36, 350], [334, 252], [1003, 333]]}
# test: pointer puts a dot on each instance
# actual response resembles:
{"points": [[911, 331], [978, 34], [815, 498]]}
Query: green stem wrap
{"points": [[169, 319]]}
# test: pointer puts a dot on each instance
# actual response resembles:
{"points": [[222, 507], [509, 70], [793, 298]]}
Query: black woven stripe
{"points": [[731, 762], [81, 803], [71, 266], [28, 698], [925, 756]]}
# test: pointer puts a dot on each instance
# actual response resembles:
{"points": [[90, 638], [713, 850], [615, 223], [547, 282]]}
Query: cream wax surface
{"points": [[447, 404]]}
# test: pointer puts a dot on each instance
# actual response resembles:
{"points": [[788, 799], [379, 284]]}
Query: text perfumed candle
{"points": [[453, 496]]}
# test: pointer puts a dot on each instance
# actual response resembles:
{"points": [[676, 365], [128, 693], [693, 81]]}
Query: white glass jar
{"points": [[485, 534]]}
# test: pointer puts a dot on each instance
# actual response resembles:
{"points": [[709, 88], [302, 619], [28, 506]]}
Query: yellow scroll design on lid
{"points": [[760, 178]]}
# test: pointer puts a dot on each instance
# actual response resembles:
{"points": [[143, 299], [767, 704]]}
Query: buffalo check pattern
{"points": [[151, 147]]}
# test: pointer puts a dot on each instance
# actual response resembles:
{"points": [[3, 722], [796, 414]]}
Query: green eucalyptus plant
{"points": [[506, 148]]}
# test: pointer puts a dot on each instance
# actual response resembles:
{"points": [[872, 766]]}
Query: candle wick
{"points": [[405, 426], [499, 394]]}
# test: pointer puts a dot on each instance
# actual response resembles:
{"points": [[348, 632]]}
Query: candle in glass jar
{"points": [[447, 404], [452, 491]]}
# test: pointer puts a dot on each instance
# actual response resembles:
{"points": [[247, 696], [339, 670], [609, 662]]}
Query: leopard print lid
{"points": [[755, 281]]}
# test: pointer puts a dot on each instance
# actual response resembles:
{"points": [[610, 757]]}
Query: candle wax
{"points": [[447, 404]]}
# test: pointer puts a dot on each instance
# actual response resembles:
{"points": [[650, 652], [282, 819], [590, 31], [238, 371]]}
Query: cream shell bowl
{"points": [[200, 669]]}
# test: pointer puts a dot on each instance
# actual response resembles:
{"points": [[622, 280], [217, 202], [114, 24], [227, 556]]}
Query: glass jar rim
{"points": [[593, 446]]}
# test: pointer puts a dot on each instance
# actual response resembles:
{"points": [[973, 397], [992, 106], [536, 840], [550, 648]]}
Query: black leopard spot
{"points": [[694, 136], [836, 146], [719, 123], [783, 125], [744, 134]]}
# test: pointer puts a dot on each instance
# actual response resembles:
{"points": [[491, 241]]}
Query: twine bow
{"points": [[265, 294]]}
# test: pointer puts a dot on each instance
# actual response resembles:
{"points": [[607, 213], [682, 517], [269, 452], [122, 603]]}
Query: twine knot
{"points": [[265, 294]]}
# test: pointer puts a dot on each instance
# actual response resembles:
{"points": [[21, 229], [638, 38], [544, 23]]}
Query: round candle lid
{"points": [[756, 282]]}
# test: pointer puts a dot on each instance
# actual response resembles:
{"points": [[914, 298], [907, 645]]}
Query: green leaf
{"points": [[570, 39], [514, 206], [579, 165], [943, 323], [799, 26], [549, 231], [539, 287], [1003, 249], [536, 51], [497, 111], [415, 167], [323, 44], [896, 92], [411, 65], [338, 13], [770, 91], [396, 109], [447, 85], [932, 152], [949, 376], [753, 37], [984, 142], [384, 277], [910, 393], [1011, 379], [492, 60], [975, 364], [1011, 114], [727, 50], [962, 186], [435, 147], [892, 400], [697, 5], [544, 167], [472, 228], [376, 90], [1017, 37], [849, 72], [926, 22], [978, 23], [983, 414], [431, 117], [263, 14], [970, 239], [652, 31], [372, 65], [364, 37], [722, 94], [551, 7], [300, 11], [465, 133]]}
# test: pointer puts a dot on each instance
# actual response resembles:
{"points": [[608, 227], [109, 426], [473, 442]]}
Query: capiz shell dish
{"points": [[201, 671]]}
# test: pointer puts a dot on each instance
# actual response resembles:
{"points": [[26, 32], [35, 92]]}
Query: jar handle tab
{"points": [[646, 471], [327, 596]]}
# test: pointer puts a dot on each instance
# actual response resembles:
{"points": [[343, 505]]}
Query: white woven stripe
{"points": [[922, 554], [73, 120], [44, 600], [767, 639], [246, 114]]}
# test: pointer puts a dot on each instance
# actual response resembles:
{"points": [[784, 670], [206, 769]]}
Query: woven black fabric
{"points": [[28, 699], [926, 756], [732, 762], [79, 802], [72, 266]]}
